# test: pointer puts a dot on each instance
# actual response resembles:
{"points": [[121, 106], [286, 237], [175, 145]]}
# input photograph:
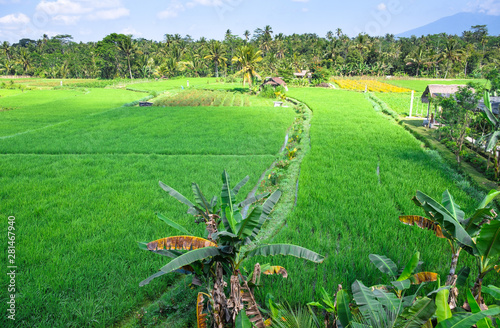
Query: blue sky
{"points": [[91, 20]]}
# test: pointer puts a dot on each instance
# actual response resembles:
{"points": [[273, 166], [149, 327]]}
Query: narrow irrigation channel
{"points": [[360, 174]]}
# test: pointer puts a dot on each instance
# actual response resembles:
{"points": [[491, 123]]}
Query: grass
{"points": [[80, 173], [346, 210]]}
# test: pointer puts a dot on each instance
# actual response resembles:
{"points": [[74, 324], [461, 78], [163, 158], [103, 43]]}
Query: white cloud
{"points": [[15, 19], [66, 20], [305, 10], [67, 12], [131, 31], [63, 7], [489, 7], [173, 10], [110, 14]]}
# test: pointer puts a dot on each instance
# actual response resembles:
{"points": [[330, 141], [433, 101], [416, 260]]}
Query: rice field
{"points": [[80, 170], [204, 98], [80, 173], [359, 176]]}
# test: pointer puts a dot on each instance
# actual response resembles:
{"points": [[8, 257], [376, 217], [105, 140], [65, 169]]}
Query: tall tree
{"points": [[128, 48], [216, 54], [247, 58]]}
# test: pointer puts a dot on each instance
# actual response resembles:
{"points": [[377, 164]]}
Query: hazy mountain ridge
{"points": [[457, 24]]}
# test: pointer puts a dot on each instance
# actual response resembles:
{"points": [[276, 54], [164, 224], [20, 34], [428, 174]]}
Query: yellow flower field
{"points": [[371, 85]]}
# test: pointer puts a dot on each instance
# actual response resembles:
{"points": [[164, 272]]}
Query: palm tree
{"points": [[418, 57], [7, 66], [216, 53], [246, 34], [6, 48], [450, 54], [128, 48], [24, 59], [247, 58]]}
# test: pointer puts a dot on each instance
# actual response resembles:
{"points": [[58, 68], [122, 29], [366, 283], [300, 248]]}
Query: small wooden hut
{"points": [[274, 82]]}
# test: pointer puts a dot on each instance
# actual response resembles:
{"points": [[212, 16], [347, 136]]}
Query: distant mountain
{"points": [[456, 24]]}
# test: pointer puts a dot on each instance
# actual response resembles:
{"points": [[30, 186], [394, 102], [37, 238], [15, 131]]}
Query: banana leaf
{"points": [[474, 307], [174, 193], [452, 207], [443, 310], [276, 269], [240, 184], [445, 219], [180, 243], [174, 225], [465, 319], [242, 320], [488, 198], [384, 264], [343, 310], [227, 194], [269, 204], [409, 267], [200, 199], [246, 227], [418, 314], [252, 199], [389, 300], [492, 290], [370, 307], [488, 241], [402, 284], [421, 277], [422, 223], [286, 249]]}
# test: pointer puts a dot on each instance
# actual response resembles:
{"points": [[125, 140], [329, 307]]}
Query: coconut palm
{"points": [[418, 58], [6, 48], [24, 58], [216, 53], [451, 54], [128, 48], [246, 34], [247, 58]]}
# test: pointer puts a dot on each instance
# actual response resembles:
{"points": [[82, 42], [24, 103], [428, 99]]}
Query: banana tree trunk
{"points": [[453, 267], [476, 290], [452, 280]]}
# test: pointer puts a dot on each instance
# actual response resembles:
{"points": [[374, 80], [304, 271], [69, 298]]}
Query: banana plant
{"points": [[491, 139], [478, 235], [478, 317], [205, 210], [233, 240], [401, 281]]}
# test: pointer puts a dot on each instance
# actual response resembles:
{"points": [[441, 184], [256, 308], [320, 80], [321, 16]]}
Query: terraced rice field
{"points": [[80, 174]]}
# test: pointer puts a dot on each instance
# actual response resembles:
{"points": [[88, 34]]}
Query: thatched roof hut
{"points": [[274, 82], [302, 74], [439, 90]]}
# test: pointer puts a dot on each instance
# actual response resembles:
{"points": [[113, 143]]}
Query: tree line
{"points": [[473, 54]]}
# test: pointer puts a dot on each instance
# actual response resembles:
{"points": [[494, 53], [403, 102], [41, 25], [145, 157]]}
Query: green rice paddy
{"points": [[79, 171], [359, 176]]}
